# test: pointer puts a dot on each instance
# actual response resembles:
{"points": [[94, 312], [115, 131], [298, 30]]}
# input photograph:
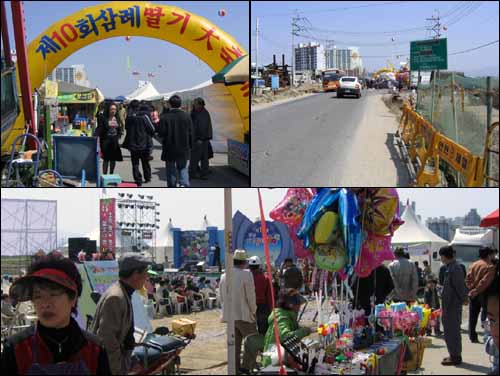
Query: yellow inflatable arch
{"points": [[128, 18]]}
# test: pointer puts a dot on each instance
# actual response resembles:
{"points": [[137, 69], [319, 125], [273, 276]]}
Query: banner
{"points": [[107, 224]]}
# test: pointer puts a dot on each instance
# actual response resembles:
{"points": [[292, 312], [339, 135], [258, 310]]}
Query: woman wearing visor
{"points": [[55, 344]]}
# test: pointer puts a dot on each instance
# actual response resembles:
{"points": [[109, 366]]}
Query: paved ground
{"points": [[221, 174], [321, 140]]}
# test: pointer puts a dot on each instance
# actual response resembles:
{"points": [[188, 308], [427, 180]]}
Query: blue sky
{"points": [[470, 24], [180, 69]]}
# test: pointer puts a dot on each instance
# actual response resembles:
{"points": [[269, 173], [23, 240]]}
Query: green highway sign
{"points": [[428, 55]]}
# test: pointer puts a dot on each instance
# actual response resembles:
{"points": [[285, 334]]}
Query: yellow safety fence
{"points": [[429, 145]]}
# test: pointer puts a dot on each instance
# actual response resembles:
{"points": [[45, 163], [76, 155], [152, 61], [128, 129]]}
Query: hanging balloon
{"points": [[331, 258], [381, 210], [128, 38], [293, 206], [374, 251], [298, 247], [221, 13], [327, 228]]}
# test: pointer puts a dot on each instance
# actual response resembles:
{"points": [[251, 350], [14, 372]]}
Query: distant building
{"points": [[472, 218], [76, 74], [345, 59], [440, 226], [309, 57]]}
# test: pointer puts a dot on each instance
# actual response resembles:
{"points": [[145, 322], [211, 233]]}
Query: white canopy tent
{"points": [[144, 91], [415, 236]]}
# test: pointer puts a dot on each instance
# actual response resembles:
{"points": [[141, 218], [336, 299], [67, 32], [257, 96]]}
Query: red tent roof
{"points": [[491, 220]]}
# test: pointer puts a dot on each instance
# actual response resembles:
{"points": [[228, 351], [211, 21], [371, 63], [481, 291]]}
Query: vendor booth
{"points": [[346, 232]]}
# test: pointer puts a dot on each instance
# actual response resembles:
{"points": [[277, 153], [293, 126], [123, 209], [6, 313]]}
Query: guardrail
{"points": [[427, 147]]}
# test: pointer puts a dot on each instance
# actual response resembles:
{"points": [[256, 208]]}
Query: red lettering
{"points": [[65, 34], [225, 53], [207, 36], [179, 18], [246, 89], [57, 37], [153, 16]]}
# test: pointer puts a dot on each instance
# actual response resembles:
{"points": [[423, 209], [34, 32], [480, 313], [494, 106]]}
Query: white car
{"points": [[349, 85]]}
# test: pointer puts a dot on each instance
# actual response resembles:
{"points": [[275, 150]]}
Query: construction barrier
{"points": [[429, 146]]}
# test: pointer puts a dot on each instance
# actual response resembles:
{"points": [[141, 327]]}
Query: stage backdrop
{"points": [[248, 235], [197, 245]]}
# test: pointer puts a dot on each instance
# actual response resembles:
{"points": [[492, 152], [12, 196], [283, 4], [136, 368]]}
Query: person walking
{"points": [[202, 134], [139, 141], [291, 276], [56, 344], [109, 130], [114, 317], [262, 293], [453, 297], [241, 301], [480, 275], [176, 132], [405, 278]]}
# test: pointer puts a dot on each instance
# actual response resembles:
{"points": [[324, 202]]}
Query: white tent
{"points": [[144, 91], [415, 236], [480, 238]]}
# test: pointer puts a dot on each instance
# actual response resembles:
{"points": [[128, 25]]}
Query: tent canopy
{"points": [[491, 220], [145, 91], [415, 236]]}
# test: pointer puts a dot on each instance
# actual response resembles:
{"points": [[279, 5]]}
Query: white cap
{"points": [[254, 260]]}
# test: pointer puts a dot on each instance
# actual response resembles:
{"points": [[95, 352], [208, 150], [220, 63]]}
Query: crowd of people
{"points": [[185, 139], [57, 344], [401, 281]]}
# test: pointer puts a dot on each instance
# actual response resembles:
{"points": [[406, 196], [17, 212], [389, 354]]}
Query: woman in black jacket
{"points": [[109, 130]]}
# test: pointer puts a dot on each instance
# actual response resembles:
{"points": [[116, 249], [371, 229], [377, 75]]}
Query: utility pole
{"points": [[257, 48], [436, 27]]}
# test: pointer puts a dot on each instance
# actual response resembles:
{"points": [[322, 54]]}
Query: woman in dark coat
{"points": [[109, 130]]}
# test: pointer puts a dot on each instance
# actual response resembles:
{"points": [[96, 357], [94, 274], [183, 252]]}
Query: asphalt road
{"points": [[322, 140]]}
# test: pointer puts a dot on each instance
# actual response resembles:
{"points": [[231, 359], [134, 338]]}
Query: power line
{"points": [[334, 9], [475, 48]]}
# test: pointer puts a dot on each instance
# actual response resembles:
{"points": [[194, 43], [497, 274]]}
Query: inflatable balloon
{"points": [[298, 247], [293, 206], [374, 251], [90, 24], [381, 210], [327, 228], [330, 258], [222, 12]]}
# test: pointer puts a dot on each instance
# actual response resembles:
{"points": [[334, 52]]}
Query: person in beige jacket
{"points": [[241, 302], [114, 318]]}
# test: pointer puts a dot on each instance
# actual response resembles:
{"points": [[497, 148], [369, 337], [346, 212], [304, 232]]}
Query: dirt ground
{"points": [[285, 93], [206, 354]]}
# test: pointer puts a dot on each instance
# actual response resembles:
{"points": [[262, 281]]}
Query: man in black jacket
{"points": [[176, 131], [139, 141], [202, 134]]}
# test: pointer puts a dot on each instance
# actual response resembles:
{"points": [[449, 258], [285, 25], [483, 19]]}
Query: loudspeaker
{"points": [[75, 245]]}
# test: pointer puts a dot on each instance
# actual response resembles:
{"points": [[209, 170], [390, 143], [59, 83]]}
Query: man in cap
{"points": [[114, 317], [240, 301]]}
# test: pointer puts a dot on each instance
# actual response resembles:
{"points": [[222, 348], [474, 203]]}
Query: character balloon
{"points": [[293, 206]]}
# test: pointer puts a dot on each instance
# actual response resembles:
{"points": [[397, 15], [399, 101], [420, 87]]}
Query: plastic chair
{"points": [[180, 302]]}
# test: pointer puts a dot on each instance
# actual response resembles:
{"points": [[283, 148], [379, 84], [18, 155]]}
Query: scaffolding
{"points": [[28, 227]]}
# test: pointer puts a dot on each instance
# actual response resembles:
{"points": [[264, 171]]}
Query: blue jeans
{"points": [[174, 167]]}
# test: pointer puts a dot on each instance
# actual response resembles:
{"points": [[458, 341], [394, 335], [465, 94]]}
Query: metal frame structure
{"points": [[23, 219], [137, 222]]}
